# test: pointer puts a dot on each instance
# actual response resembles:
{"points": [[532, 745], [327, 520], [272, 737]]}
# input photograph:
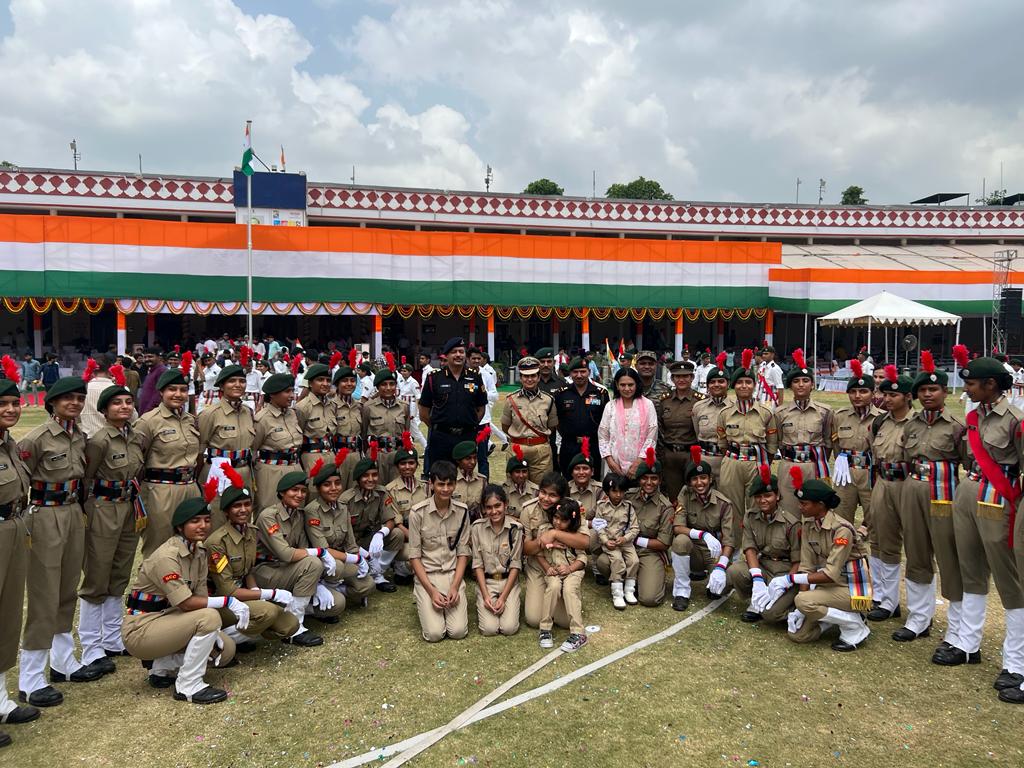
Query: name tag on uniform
{"points": [[313, 419], [3, 467], [228, 428], [277, 429], [116, 456], [788, 424], [163, 432], [57, 457]]}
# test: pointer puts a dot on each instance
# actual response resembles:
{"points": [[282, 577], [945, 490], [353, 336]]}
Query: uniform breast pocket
{"points": [[845, 431], [733, 430], [944, 443], [168, 436], [7, 474], [227, 431], [57, 461], [999, 437], [568, 406], [117, 460], [377, 420]]}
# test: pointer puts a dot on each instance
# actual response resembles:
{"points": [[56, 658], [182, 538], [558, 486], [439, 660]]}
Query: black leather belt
{"points": [[177, 475], [678, 447]]}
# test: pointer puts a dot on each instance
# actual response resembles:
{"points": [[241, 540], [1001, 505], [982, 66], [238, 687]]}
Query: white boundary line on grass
{"points": [[414, 745]]}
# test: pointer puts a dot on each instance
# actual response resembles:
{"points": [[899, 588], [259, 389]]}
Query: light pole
{"points": [[75, 155], [488, 178]]}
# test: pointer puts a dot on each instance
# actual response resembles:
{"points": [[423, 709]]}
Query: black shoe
{"points": [[305, 640], [44, 697], [711, 595], [20, 715], [1012, 695], [386, 586], [403, 581], [504, 447], [680, 603], [844, 647], [1008, 680], [209, 695], [325, 619], [954, 657], [104, 665], [82, 675], [233, 663], [750, 617], [246, 646], [146, 663], [115, 654], [878, 613], [601, 580], [905, 635], [162, 681], [698, 575], [4, 739]]}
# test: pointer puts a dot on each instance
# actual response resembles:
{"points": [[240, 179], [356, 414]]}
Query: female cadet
{"points": [[497, 541], [278, 439], [54, 453], [654, 513], [170, 442], [348, 416], [385, 420], [114, 456], [518, 488], [373, 521], [14, 484], [315, 413], [171, 619]]}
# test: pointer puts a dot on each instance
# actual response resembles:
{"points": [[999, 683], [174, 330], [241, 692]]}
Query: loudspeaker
{"points": [[1010, 308]]}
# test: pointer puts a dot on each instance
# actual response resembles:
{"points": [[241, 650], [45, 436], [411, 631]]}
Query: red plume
{"points": [[407, 441], [296, 362], [315, 469], [232, 474], [390, 360], [404, 360], [90, 370], [117, 373], [927, 361], [244, 356], [695, 455], [335, 360], [258, 356], [961, 355], [649, 458], [373, 450], [518, 451], [863, 349], [766, 474], [353, 357], [891, 373], [585, 448], [720, 359], [797, 476], [857, 368], [340, 456], [483, 435], [286, 358], [177, 348], [748, 358], [11, 369], [799, 359], [210, 490], [186, 364]]}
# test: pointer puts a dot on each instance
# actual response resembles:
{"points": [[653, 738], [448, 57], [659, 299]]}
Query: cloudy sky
{"points": [[719, 101]]}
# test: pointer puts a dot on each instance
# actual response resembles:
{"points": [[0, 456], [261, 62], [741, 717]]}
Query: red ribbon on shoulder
{"points": [[992, 471]]}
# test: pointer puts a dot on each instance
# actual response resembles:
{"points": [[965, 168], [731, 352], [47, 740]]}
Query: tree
{"points": [[638, 189], [853, 195], [543, 187], [995, 197], [7, 165]]}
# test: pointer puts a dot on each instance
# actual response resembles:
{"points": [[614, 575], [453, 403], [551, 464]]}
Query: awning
{"points": [[889, 309]]}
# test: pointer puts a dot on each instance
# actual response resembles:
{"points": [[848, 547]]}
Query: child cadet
{"points": [[518, 487], [616, 527], [497, 542]]}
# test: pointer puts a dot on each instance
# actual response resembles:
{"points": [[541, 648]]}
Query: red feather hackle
{"points": [[585, 448], [340, 456], [797, 476], [373, 450], [390, 360], [748, 358], [296, 362], [117, 374], [518, 451], [857, 368], [891, 373], [798, 358], [233, 477], [186, 364], [244, 356], [720, 359], [335, 359], [90, 370], [766, 474], [649, 458], [927, 361], [407, 441], [210, 490], [961, 355], [695, 454], [11, 369], [315, 469], [483, 435], [353, 358]]}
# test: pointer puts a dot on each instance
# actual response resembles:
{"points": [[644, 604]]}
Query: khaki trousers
{"points": [[268, 619], [673, 464], [54, 569], [622, 562], [736, 479], [650, 576], [853, 493], [538, 459], [13, 570], [885, 534], [507, 622], [110, 545], [266, 477], [564, 590], [149, 636], [699, 554], [981, 534], [738, 576], [534, 603], [814, 603], [160, 500], [300, 578], [437, 625], [928, 531]]}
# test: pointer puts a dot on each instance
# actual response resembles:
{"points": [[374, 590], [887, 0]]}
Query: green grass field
{"points": [[719, 693]]}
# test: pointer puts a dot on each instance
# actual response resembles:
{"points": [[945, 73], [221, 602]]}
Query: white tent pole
{"points": [[814, 351], [806, 316], [869, 340], [956, 341], [984, 336]]}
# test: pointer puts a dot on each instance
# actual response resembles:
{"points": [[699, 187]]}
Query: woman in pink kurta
{"points": [[629, 426]]}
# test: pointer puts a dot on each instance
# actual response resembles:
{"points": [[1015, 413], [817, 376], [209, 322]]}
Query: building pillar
{"points": [[472, 329], [554, 334], [638, 336], [37, 335], [490, 334], [679, 336], [378, 333], [122, 333], [769, 327], [720, 335], [150, 330], [586, 330]]}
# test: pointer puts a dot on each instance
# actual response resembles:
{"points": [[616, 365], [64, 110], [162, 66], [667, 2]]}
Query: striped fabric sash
{"points": [[858, 578], [238, 458], [942, 478], [138, 508], [278, 458]]}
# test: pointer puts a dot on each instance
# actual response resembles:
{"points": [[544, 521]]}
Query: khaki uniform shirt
{"points": [[497, 552], [808, 426], [316, 417], [675, 419], [1000, 433], [111, 455], [439, 540], [328, 526], [403, 500], [169, 440], [941, 441], [174, 570], [470, 491], [348, 417], [853, 432], [383, 420], [715, 516], [887, 445], [277, 430], [226, 428], [536, 408], [557, 556], [621, 520], [366, 514], [588, 498], [828, 545], [51, 455], [705, 418], [281, 532], [653, 514], [232, 557], [517, 498], [773, 538], [14, 477], [755, 427]]}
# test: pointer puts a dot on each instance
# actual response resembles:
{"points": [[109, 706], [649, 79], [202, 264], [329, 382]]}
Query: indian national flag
{"points": [[247, 152]]}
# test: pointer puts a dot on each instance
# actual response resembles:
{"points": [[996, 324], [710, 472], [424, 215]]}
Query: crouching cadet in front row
{"points": [[171, 619], [833, 559]]}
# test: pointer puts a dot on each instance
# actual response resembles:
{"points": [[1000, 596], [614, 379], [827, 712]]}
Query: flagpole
{"points": [[248, 238]]}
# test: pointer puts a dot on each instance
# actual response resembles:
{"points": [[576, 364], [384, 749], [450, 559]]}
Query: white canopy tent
{"points": [[886, 309]]}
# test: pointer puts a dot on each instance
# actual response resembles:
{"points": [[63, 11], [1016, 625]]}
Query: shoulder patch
{"points": [[840, 541], [25, 455], [274, 528], [314, 521], [388, 501], [218, 562], [172, 576]]}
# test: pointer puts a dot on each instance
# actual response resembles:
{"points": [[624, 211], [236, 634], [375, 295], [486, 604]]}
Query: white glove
{"points": [[716, 581], [330, 564], [218, 644], [795, 620], [642, 541], [598, 524], [363, 568], [759, 591], [841, 470], [364, 554], [241, 610], [323, 599], [351, 558], [714, 545], [377, 542], [777, 587], [282, 596]]}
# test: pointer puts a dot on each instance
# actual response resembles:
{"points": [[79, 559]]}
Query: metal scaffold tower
{"points": [[1001, 264]]}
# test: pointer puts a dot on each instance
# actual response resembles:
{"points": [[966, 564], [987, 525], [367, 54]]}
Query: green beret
{"points": [[278, 382], [290, 480], [382, 376], [643, 469], [8, 388], [109, 394], [344, 373], [987, 368], [464, 449], [64, 386], [362, 467], [818, 490], [232, 494], [544, 352], [796, 372], [169, 377], [578, 362], [760, 486], [929, 377], [316, 370], [406, 367], [514, 463], [405, 455], [579, 458], [229, 372], [327, 471], [693, 470], [860, 382], [903, 384], [740, 373], [188, 509], [717, 373]]}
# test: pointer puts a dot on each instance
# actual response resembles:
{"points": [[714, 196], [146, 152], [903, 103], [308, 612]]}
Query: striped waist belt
{"points": [[316, 445], [925, 470], [1012, 471], [53, 494], [278, 457], [860, 459], [710, 448], [352, 442], [174, 476], [145, 602], [112, 490], [240, 458], [529, 440], [384, 442], [800, 453], [11, 510], [892, 470], [747, 453]]}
